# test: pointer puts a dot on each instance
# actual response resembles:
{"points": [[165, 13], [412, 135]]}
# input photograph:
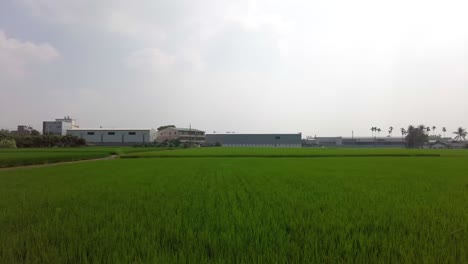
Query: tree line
{"points": [[12, 140], [460, 133], [417, 136]]}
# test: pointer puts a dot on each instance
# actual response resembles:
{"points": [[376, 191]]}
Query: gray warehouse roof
{"points": [[111, 129]]}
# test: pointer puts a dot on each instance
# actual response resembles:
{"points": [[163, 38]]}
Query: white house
{"points": [[183, 134], [438, 145]]}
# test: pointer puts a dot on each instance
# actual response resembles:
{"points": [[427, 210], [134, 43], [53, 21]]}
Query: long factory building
{"points": [[114, 136], [255, 140]]}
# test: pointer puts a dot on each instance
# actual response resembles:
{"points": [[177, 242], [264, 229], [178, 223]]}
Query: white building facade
{"points": [[114, 136], [59, 126]]}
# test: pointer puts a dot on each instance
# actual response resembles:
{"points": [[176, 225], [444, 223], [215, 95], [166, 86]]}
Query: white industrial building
{"points": [[114, 136], [59, 126]]}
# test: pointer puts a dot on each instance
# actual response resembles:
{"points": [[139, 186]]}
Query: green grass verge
{"points": [[243, 210], [33, 156]]}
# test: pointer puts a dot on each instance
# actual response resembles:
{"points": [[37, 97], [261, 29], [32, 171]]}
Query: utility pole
{"points": [[190, 134]]}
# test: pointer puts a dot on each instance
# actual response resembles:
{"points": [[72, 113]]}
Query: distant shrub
{"points": [[81, 142], [146, 145], [7, 143], [169, 143], [43, 141], [210, 145]]}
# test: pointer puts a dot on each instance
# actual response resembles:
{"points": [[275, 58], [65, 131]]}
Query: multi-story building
{"points": [[256, 140], [23, 130], [114, 136], [59, 126], [185, 135]]}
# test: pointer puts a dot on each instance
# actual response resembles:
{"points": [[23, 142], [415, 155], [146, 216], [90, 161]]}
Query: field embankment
{"points": [[36, 156]]}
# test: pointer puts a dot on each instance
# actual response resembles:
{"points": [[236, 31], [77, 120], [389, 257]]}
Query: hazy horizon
{"points": [[322, 68]]}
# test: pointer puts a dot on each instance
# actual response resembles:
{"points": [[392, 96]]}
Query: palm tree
{"points": [[421, 128], [444, 130], [461, 134], [390, 130], [403, 132], [378, 131], [428, 129], [410, 131], [433, 130], [373, 129]]}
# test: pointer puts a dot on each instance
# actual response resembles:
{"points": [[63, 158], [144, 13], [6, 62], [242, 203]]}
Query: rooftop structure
{"points": [[23, 130]]}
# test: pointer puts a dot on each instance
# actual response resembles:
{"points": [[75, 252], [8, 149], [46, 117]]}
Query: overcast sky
{"points": [[323, 67]]}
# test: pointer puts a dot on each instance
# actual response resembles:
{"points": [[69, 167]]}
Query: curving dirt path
{"points": [[58, 163]]}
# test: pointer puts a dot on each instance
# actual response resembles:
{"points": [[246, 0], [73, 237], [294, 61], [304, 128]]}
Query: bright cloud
{"points": [[321, 67], [18, 57], [150, 59]]}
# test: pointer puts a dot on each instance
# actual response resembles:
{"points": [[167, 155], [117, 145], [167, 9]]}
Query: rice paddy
{"points": [[224, 206]]}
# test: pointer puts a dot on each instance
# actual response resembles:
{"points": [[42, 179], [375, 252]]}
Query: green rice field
{"points": [[296, 152], [220, 205]]}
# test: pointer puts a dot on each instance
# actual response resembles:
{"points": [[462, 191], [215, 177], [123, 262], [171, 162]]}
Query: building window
{"points": [[90, 133], [110, 133], [132, 133], [277, 137]]}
